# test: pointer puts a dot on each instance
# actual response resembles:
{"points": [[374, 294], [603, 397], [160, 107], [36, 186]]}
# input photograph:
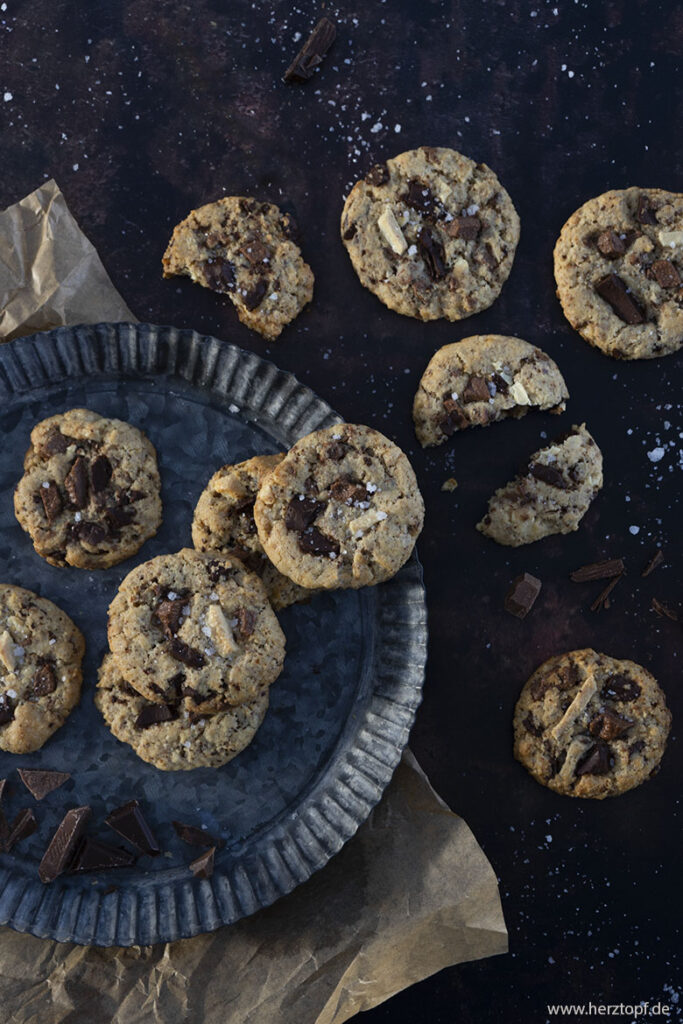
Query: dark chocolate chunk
{"points": [[532, 726], [44, 679], [6, 709], [656, 560], [620, 688], [346, 491], [665, 274], [455, 418], [189, 656], [246, 621], [419, 196], [63, 844], [311, 54], [202, 867], [664, 611], [501, 384], [169, 615], [350, 232], [219, 274], [337, 450], [52, 501], [377, 175], [596, 761], [155, 714], [55, 444], [548, 474], [476, 390], [556, 760], [90, 533], [255, 251], [613, 290], [130, 823], [611, 244], [118, 516], [598, 570], [521, 596], [76, 483], [40, 783], [254, 297], [196, 836], [313, 542], [645, 214], [466, 228], [217, 571], [23, 826], [100, 473], [608, 725], [602, 600], [636, 747], [431, 251], [301, 512], [92, 855]]}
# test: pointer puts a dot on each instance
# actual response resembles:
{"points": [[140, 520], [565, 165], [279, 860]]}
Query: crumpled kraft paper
{"points": [[411, 893], [50, 274]]}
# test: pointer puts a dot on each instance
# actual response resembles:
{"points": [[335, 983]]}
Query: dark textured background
{"points": [[143, 109]]}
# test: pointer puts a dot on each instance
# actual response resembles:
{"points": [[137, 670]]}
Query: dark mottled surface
{"points": [[142, 110]]}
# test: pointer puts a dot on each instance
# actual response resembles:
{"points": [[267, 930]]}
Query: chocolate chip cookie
{"points": [[483, 379], [246, 250], [551, 496], [432, 233], [342, 509], [224, 522], [197, 627], [589, 725], [619, 272], [89, 496], [40, 669], [173, 737]]}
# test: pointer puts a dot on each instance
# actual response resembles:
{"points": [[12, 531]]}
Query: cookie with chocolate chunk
{"points": [[224, 522], [246, 250], [174, 737], [90, 493], [342, 509], [483, 379], [619, 272], [40, 669], [195, 627], [552, 495], [589, 725], [432, 233]]}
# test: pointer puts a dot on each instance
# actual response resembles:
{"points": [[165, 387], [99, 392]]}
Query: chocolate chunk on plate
{"points": [[522, 595], [64, 843], [311, 54], [130, 823], [24, 825], [40, 783], [202, 867], [196, 836], [92, 855]]}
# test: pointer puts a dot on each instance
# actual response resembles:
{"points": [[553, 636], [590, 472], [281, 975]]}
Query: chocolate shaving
{"points": [[466, 228], [313, 542], [92, 855], [44, 679], [100, 473], [664, 611], [155, 714], [548, 474], [601, 600], [521, 596], [131, 824], [246, 621], [196, 836], [52, 501], [656, 560], [311, 54], [598, 570], [615, 293], [476, 390], [40, 783], [254, 297], [202, 867], [76, 483], [596, 761], [665, 274], [432, 253], [301, 512], [63, 844], [23, 826]]}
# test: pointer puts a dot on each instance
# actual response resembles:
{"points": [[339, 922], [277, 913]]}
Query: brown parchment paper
{"points": [[50, 274], [411, 893]]}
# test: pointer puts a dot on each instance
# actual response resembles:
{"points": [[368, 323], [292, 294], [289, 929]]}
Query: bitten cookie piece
{"points": [[619, 272], [342, 509], [173, 737], [197, 627], [89, 496], [244, 249], [551, 497], [40, 669], [431, 233], [482, 379], [224, 522], [589, 725]]}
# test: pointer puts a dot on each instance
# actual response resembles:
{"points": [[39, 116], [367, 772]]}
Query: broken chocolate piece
{"points": [[90, 533], [40, 783], [63, 844], [645, 214], [548, 474], [44, 679], [196, 836], [313, 542], [656, 560], [131, 824], [255, 251], [219, 274], [596, 761], [377, 175], [217, 571], [6, 709], [636, 747], [311, 54], [666, 274], [301, 512], [611, 244], [432, 253], [346, 491], [169, 614], [118, 516], [23, 826], [664, 611], [602, 600], [52, 501], [500, 383], [532, 726], [615, 293], [455, 418], [521, 596], [350, 232], [246, 621], [76, 483], [337, 450], [254, 297], [476, 390], [609, 725], [92, 855], [155, 714], [189, 656], [466, 228], [55, 444], [100, 473], [202, 867], [420, 197], [620, 688], [603, 570]]}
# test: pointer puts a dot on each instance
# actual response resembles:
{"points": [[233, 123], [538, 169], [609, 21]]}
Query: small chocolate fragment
{"points": [[219, 274], [313, 542], [44, 679], [346, 491], [466, 228], [656, 560], [217, 571], [350, 232], [611, 244], [377, 175], [664, 611], [76, 483], [169, 615], [337, 450], [666, 274], [521, 596], [609, 725], [596, 761], [420, 197], [602, 600], [23, 826], [613, 290], [645, 214], [6, 709], [118, 516], [155, 714], [63, 844], [603, 570], [290, 228], [500, 383], [476, 390], [636, 747], [532, 726], [196, 836], [548, 474], [202, 867], [246, 621], [455, 418], [255, 251], [311, 54], [130, 823], [90, 533], [55, 444], [52, 501], [620, 688], [92, 855], [189, 656], [100, 473], [301, 512], [40, 783], [556, 760], [432, 253], [254, 297]]}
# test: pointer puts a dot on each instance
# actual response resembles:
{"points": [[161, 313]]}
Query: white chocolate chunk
{"points": [[671, 238], [587, 691], [221, 633], [388, 225], [7, 651], [518, 394], [370, 518]]}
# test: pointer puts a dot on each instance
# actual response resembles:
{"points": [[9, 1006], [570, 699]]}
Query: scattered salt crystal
{"points": [[634, 530], [656, 454], [7, 97]]}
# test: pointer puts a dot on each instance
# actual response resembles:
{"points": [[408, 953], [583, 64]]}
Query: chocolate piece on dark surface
{"points": [[246, 621], [169, 613], [432, 253], [52, 501], [466, 228], [44, 679], [620, 688], [532, 726], [455, 418], [313, 542], [100, 473], [611, 244], [601, 601], [93, 855], [6, 709], [196, 836], [377, 175], [612, 289], [40, 783], [609, 725], [664, 611], [521, 596], [603, 570], [311, 54], [255, 251], [556, 760], [76, 483], [596, 761], [656, 560], [254, 297], [189, 656], [665, 274], [301, 512], [23, 826], [155, 714], [64, 843], [130, 823], [476, 390], [419, 196], [55, 444], [645, 214], [548, 474], [219, 274], [202, 867], [346, 491]]}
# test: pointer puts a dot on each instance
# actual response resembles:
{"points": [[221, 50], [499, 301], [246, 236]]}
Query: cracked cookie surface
{"points": [[431, 233], [40, 669], [619, 272], [244, 249], [480, 380], [551, 497], [90, 494], [589, 725], [342, 509], [195, 627]]}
